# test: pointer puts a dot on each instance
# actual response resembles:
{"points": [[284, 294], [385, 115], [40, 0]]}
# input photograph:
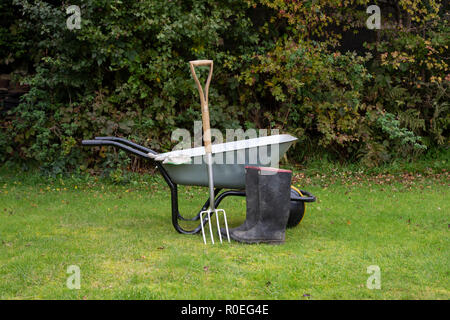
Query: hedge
{"points": [[310, 68]]}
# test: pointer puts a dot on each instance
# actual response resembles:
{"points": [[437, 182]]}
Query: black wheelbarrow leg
{"points": [[176, 216], [205, 206]]}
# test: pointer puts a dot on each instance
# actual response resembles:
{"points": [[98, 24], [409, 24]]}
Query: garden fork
{"points": [[208, 151]]}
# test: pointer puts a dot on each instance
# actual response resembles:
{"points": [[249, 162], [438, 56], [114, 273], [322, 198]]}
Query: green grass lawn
{"points": [[122, 239]]}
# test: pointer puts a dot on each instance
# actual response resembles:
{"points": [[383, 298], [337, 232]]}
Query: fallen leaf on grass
{"points": [[8, 244]]}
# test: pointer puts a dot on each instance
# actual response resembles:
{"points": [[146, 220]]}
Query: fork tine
{"points": [[210, 227], [226, 223], [208, 215], [218, 225], [203, 227]]}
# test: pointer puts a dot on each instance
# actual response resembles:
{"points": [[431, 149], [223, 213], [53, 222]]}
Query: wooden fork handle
{"points": [[204, 99]]}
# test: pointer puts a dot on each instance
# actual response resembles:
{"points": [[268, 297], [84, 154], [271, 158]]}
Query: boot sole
{"points": [[274, 242]]}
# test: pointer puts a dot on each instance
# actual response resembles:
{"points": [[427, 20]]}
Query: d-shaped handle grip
{"points": [[204, 99], [198, 63]]}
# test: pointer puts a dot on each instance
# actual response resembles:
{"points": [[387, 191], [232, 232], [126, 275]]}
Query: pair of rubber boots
{"points": [[268, 202]]}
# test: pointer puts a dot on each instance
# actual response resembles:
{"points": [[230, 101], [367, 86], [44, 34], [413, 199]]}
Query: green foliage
{"points": [[277, 65], [405, 139], [12, 37], [318, 93], [411, 70]]}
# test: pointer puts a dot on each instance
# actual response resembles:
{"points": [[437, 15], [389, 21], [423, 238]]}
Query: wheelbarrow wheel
{"points": [[297, 209]]}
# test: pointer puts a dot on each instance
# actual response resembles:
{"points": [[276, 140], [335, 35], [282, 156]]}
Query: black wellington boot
{"points": [[251, 199], [274, 187]]}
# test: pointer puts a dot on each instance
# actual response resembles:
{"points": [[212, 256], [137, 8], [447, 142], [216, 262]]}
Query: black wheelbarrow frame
{"points": [[143, 152]]}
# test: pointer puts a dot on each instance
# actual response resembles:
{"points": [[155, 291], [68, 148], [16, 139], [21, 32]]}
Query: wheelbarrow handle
{"points": [[115, 144], [128, 143], [204, 99]]}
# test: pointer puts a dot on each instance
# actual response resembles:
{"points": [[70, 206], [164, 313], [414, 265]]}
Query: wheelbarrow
{"points": [[229, 163]]}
